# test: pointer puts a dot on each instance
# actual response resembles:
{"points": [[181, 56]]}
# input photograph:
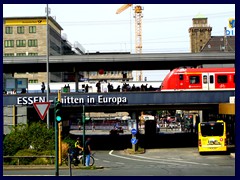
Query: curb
{"points": [[14, 167]]}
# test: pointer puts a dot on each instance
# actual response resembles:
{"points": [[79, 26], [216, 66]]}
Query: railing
{"points": [[19, 157]]}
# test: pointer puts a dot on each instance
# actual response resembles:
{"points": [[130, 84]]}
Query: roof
{"points": [[200, 16], [35, 17], [217, 44]]}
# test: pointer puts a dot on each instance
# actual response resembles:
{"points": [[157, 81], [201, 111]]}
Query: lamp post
{"points": [[47, 10]]}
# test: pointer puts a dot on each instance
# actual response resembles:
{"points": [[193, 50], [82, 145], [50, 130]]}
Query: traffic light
{"points": [[58, 111]]}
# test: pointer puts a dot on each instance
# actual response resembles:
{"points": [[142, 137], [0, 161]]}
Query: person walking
{"points": [[87, 151]]}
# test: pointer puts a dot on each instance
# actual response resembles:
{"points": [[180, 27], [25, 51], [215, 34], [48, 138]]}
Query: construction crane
{"points": [[138, 32]]}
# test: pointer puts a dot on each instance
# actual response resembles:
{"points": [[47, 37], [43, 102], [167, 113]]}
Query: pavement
{"points": [[91, 132], [63, 166]]}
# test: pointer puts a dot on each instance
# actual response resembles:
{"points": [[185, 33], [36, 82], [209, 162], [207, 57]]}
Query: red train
{"points": [[195, 79]]}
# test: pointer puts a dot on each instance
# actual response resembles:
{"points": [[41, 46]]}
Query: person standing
{"points": [[98, 85], [86, 88], [43, 87], [93, 126], [87, 151], [78, 147]]}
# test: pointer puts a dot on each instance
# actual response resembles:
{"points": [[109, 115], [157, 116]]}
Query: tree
{"points": [[35, 135]]}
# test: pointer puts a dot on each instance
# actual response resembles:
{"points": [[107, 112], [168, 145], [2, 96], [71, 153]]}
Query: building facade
{"points": [[201, 39], [199, 33], [27, 36]]}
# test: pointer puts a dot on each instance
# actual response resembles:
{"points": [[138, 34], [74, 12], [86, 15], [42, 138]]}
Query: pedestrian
{"points": [[43, 87], [93, 126], [68, 88], [78, 147], [158, 128], [98, 85], [86, 88], [14, 91], [87, 151]]}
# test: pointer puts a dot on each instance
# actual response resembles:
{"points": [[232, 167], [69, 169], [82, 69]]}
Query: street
{"points": [[154, 162]]}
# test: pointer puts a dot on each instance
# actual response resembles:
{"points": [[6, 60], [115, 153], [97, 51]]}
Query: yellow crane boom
{"points": [[138, 31], [122, 8]]}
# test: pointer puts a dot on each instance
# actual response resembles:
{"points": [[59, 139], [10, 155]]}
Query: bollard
{"points": [[69, 165]]}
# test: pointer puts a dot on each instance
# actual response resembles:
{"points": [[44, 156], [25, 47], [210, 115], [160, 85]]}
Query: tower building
{"points": [[199, 33]]}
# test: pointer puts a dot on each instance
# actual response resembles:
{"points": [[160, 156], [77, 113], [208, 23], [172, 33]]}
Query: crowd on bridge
{"points": [[125, 87], [107, 87]]}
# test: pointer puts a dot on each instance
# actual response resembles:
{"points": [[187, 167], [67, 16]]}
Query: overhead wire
{"points": [[155, 40]]}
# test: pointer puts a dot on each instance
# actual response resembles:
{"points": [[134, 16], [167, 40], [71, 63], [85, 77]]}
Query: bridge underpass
{"points": [[132, 102]]}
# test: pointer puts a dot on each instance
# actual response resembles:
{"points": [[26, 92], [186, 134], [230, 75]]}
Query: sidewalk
{"points": [[96, 132]]}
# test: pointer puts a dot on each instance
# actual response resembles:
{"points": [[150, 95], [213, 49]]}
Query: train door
{"points": [[205, 81], [208, 81], [211, 81]]}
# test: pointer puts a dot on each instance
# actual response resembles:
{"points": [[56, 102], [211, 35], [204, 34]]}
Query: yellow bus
{"points": [[212, 136]]}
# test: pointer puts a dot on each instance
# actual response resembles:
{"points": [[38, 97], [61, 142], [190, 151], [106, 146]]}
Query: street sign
{"points": [[42, 108], [134, 131], [134, 141]]}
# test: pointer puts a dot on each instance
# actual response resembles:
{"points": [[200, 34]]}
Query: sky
{"points": [[97, 27]]}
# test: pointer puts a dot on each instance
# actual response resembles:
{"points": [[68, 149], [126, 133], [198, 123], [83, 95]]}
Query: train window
{"points": [[205, 79], [211, 79], [222, 79], [194, 79], [181, 77]]}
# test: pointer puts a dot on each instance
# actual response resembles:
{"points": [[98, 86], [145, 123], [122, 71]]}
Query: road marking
{"points": [[172, 160], [106, 161], [143, 160], [120, 163], [29, 175]]}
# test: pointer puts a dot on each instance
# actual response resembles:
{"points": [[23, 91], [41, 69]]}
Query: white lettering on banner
{"points": [[72, 100], [111, 100], [30, 100], [75, 101]]}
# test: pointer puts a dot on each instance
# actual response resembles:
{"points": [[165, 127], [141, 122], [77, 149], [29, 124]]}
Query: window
{"points": [[194, 79], [9, 54], [32, 81], [32, 43], [222, 79], [32, 29], [32, 54], [21, 43], [93, 73], [205, 79], [211, 79], [21, 54], [9, 43], [215, 129], [20, 30], [181, 77], [8, 30]]}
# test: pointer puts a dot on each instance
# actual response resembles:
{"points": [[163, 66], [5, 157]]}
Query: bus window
{"points": [[214, 129]]}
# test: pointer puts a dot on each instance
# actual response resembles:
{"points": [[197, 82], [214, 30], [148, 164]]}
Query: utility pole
{"points": [[47, 45], [57, 120], [83, 121]]}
